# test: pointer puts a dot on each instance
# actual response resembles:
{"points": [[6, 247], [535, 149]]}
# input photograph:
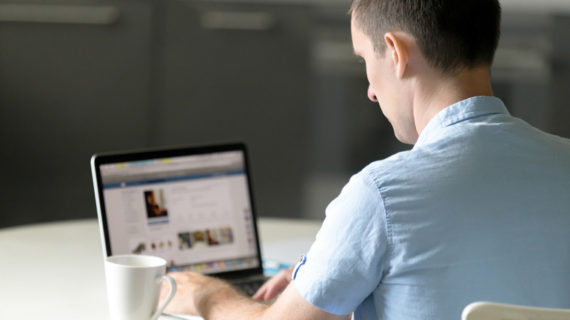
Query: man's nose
{"points": [[372, 95]]}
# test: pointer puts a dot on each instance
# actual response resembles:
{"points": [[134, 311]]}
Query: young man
{"points": [[478, 209]]}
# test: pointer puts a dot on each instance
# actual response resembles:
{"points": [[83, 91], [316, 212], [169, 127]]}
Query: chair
{"points": [[499, 311]]}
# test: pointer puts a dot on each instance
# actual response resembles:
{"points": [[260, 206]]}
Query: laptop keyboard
{"points": [[250, 287]]}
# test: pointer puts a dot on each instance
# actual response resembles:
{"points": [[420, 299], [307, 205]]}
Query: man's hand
{"points": [[274, 286], [199, 295], [192, 290]]}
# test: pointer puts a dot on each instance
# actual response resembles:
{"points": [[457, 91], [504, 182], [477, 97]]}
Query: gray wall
{"points": [[146, 73]]}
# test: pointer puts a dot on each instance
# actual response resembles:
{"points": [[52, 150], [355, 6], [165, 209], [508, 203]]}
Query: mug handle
{"points": [[171, 293]]}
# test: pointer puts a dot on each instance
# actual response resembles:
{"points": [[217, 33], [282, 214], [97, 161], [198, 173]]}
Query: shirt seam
{"points": [[389, 240], [379, 190]]}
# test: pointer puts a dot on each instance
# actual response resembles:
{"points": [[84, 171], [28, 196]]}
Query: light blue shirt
{"points": [[479, 209]]}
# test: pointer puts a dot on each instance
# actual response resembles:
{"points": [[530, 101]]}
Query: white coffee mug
{"points": [[133, 286]]}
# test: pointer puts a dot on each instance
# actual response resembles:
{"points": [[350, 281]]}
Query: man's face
{"points": [[385, 87]]}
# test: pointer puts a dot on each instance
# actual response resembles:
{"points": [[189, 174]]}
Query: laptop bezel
{"points": [[97, 160]]}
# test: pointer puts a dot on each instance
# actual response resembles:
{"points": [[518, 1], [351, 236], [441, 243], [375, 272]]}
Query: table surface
{"points": [[55, 270]]}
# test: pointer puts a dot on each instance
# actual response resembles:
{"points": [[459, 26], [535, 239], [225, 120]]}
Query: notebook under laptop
{"points": [[190, 206]]}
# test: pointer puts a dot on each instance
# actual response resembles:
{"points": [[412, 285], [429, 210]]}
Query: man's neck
{"points": [[437, 92]]}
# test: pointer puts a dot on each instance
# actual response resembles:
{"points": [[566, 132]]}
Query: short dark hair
{"points": [[452, 34]]}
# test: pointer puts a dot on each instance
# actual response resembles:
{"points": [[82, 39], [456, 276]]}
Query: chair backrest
{"points": [[499, 311]]}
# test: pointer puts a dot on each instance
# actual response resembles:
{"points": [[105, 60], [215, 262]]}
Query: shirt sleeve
{"points": [[344, 264]]}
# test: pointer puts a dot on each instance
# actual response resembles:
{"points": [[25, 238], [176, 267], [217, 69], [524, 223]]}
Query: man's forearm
{"points": [[220, 299], [215, 299], [223, 302]]}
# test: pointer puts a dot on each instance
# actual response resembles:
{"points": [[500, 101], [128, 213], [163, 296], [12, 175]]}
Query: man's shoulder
{"points": [[398, 165]]}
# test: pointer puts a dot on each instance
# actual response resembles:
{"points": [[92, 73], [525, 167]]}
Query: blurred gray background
{"points": [[85, 76]]}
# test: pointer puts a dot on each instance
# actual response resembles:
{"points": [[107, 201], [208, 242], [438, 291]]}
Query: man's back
{"points": [[479, 209]]}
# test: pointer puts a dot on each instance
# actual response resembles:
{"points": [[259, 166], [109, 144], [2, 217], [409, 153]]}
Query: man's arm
{"points": [[215, 299], [274, 286]]}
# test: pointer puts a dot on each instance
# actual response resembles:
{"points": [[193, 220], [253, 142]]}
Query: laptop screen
{"points": [[195, 210]]}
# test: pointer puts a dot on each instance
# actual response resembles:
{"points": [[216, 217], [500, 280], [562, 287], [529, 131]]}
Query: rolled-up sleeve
{"points": [[345, 263]]}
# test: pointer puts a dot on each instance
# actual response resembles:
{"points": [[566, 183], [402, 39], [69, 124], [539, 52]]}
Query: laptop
{"points": [[192, 206]]}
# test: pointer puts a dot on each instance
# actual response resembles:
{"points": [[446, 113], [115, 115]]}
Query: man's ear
{"points": [[399, 53]]}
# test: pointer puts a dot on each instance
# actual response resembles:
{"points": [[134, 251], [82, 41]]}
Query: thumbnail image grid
{"points": [[205, 238], [142, 247]]}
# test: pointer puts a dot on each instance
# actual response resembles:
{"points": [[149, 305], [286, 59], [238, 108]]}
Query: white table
{"points": [[55, 270]]}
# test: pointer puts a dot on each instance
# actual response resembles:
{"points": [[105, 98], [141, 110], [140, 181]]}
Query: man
{"points": [[478, 209]]}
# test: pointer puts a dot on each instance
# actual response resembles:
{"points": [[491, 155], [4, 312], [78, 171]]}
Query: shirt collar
{"points": [[458, 112]]}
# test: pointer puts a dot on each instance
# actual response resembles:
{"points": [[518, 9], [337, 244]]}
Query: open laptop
{"points": [[190, 206]]}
